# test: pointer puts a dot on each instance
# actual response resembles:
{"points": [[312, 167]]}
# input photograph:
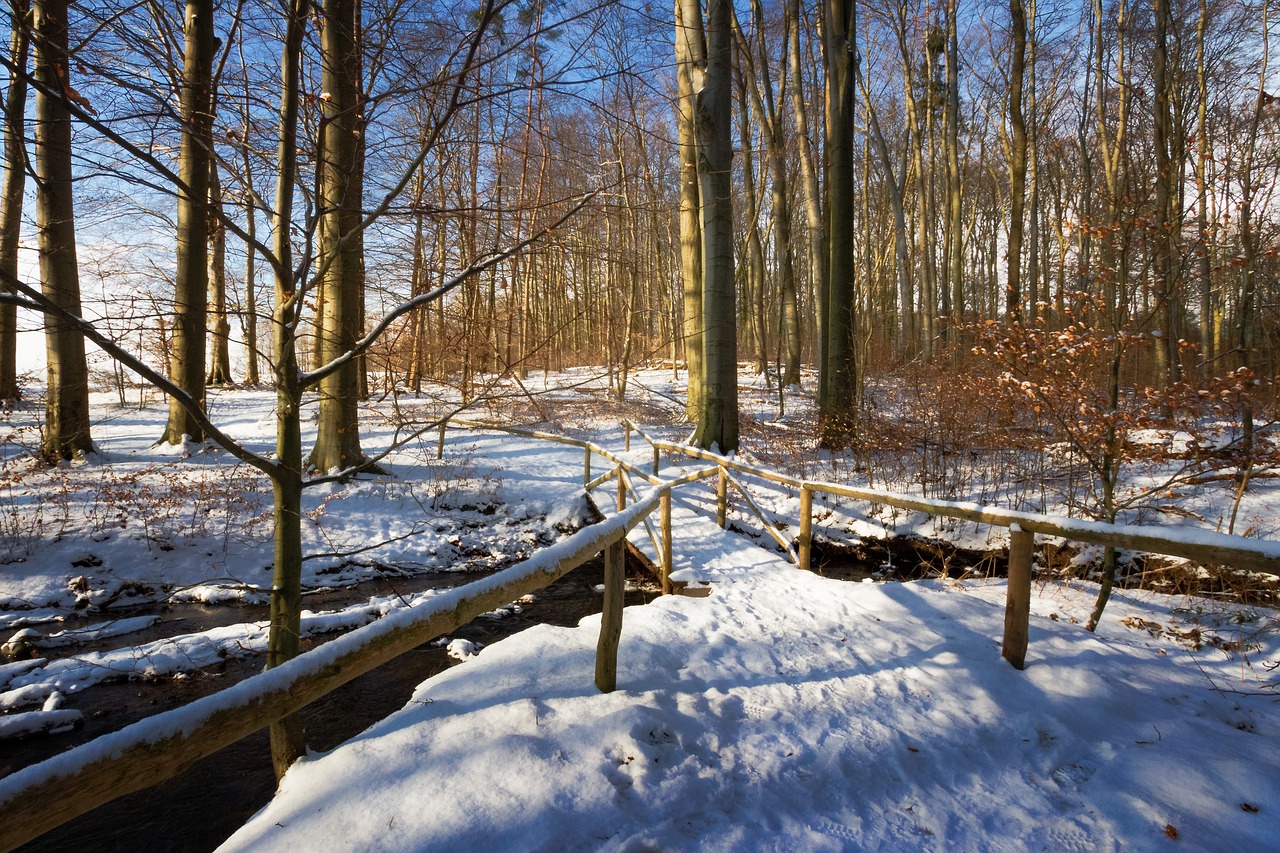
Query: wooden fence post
{"points": [[586, 466], [622, 490], [722, 497], [440, 443], [664, 510], [655, 460], [627, 427], [1018, 599], [806, 526], [610, 619]]}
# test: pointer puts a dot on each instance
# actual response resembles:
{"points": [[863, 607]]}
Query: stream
{"points": [[198, 809]]}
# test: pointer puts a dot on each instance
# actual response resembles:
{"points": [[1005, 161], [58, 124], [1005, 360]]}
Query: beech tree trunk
{"points": [[814, 220], [191, 282], [14, 185], [837, 404], [954, 260], [220, 327], [711, 77], [339, 249], [66, 428], [1017, 160], [1168, 179], [689, 42], [288, 742], [780, 201], [251, 347]]}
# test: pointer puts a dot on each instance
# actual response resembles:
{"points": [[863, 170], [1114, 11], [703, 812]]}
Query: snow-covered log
{"points": [[36, 722]]}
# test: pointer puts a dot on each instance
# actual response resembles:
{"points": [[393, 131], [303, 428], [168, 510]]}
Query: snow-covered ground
{"points": [[787, 711], [783, 711]]}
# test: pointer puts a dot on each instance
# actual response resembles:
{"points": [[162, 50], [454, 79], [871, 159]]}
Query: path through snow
{"points": [[789, 711]]}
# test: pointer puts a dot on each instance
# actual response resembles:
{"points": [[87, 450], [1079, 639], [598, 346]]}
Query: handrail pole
{"points": [[1017, 609], [586, 466], [622, 491], [440, 443], [806, 526], [722, 497], [610, 618], [759, 513], [602, 479], [626, 428], [664, 509]]}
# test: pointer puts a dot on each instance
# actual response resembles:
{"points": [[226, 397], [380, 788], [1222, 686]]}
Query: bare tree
{"points": [[838, 400], [66, 431], [14, 185], [191, 283], [340, 250], [711, 77]]}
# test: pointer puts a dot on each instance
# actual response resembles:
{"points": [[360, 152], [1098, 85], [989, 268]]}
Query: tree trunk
{"points": [[1168, 177], [251, 354], [191, 275], [1113, 147], [837, 405], [66, 429], [755, 277], [955, 211], [1017, 161], [779, 202], [712, 87], [287, 739], [901, 250], [338, 249], [814, 221], [1208, 342], [689, 42], [15, 184], [220, 360]]}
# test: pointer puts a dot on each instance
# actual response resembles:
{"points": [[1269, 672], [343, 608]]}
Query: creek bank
{"points": [[201, 807]]}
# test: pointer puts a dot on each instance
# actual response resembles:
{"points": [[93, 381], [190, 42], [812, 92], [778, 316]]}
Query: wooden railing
{"points": [[38, 798], [1202, 546]]}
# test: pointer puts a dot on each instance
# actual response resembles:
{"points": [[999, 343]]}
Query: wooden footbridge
{"points": [[38, 798]]}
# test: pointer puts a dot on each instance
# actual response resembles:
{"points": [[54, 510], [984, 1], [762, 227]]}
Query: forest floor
{"points": [[783, 710], [787, 711]]}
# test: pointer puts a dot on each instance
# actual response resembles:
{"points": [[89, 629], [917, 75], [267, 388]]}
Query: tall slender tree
{"points": [[1017, 159], [191, 276], [838, 401], [690, 42], [66, 429], [288, 742], [711, 77], [340, 247], [220, 326], [14, 185], [770, 113]]}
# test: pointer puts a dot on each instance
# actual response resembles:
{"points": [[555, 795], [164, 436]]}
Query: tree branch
{"points": [[37, 301], [307, 380]]}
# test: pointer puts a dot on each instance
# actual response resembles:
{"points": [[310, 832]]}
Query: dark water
{"points": [[199, 809]]}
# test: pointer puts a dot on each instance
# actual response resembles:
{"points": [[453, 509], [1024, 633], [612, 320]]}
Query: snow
{"points": [[460, 649], [99, 631], [187, 652], [781, 711], [791, 711], [31, 722], [31, 694], [10, 671]]}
